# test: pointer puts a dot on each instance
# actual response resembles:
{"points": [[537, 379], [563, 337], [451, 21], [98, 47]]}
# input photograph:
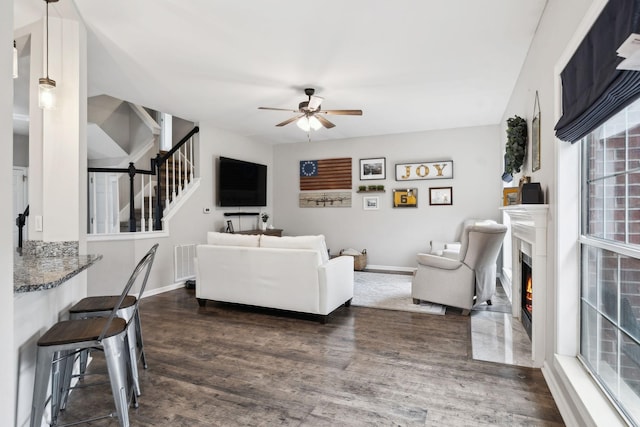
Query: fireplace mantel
{"points": [[529, 234]]}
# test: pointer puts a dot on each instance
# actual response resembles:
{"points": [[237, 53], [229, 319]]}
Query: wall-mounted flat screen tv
{"points": [[241, 183]]}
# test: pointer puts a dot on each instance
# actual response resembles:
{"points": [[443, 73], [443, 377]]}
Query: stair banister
{"points": [[131, 171], [156, 165]]}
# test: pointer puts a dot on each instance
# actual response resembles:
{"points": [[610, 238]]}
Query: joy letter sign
{"points": [[424, 170]]}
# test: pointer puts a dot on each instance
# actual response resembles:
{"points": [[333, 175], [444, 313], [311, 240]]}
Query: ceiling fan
{"points": [[310, 116]]}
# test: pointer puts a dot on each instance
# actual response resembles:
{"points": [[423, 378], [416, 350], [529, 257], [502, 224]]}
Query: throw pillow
{"points": [[229, 239], [316, 243]]}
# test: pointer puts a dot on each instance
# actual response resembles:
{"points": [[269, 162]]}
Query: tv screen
{"points": [[241, 183]]}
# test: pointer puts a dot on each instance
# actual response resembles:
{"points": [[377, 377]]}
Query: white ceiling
{"points": [[410, 66]]}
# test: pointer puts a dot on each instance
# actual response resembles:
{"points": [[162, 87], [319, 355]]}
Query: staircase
{"points": [[152, 193], [176, 175]]}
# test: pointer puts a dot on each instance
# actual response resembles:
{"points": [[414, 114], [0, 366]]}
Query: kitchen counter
{"points": [[35, 273]]}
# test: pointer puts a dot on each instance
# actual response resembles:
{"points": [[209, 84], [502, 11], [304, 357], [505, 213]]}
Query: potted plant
{"points": [[516, 146], [265, 217]]}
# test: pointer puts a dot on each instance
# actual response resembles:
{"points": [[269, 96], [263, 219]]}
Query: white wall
{"points": [[20, 150], [7, 358], [393, 236]]}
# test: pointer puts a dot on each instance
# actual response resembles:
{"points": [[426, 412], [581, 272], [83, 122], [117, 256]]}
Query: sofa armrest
{"points": [[336, 283], [435, 261]]}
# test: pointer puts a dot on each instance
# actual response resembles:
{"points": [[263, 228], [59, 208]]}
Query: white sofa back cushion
{"points": [[229, 239], [315, 243]]}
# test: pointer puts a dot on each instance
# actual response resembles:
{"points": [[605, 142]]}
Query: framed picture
{"points": [[370, 203], [510, 196], [373, 168], [424, 170], [535, 136], [229, 226], [405, 198], [440, 196]]}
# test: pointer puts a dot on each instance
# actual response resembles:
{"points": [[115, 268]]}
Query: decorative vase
{"points": [[263, 226]]}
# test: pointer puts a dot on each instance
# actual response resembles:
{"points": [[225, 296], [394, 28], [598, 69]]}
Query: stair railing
{"points": [[184, 151], [21, 221], [132, 171]]}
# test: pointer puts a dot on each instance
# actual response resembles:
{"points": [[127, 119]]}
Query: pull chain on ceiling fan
{"points": [[309, 115]]}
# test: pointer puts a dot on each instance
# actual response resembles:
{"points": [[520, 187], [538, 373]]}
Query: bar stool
{"points": [[58, 347]]}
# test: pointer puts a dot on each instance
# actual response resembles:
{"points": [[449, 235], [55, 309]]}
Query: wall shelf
{"points": [[371, 191]]}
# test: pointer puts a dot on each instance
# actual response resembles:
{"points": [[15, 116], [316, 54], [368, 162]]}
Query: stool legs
{"points": [[55, 364], [44, 360], [139, 338], [115, 353]]}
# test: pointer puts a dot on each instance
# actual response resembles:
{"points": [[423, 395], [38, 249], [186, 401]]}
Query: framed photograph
{"points": [[229, 226], [535, 136], [373, 168], [405, 198], [370, 203], [510, 196], [440, 196]]}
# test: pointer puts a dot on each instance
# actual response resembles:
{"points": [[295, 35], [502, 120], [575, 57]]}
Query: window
{"points": [[610, 252]]}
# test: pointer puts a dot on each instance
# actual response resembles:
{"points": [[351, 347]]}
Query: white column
{"points": [[8, 359]]}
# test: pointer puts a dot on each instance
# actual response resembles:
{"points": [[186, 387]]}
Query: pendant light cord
{"points": [[47, 39]]}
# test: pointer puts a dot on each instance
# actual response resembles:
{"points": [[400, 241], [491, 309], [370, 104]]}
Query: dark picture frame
{"points": [[375, 168], [405, 198], [229, 226], [535, 136], [440, 196]]}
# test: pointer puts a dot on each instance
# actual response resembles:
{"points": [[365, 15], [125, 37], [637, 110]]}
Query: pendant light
{"points": [[46, 98], [15, 60]]}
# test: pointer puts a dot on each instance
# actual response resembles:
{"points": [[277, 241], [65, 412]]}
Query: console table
{"points": [[269, 231]]}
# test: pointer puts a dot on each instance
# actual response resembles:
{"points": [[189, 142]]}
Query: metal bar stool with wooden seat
{"points": [[58, 347], [101, 306]]}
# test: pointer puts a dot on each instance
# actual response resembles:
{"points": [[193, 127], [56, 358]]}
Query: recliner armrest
{"points": [[435, 261]]}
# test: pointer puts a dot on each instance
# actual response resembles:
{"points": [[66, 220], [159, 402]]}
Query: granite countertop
{"points": [[34, 273]]}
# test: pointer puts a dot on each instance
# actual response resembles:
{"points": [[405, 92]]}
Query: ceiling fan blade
{"points": [[279, 109], [326, 123], [342, 112], [315, 102], [292, 119]]}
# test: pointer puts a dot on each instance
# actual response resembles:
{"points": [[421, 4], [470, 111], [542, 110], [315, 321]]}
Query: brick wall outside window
{"points": [[610, 295]]}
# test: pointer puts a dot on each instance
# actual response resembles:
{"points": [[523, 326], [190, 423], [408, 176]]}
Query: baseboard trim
{"points": [[372, 268], [163, 289]]}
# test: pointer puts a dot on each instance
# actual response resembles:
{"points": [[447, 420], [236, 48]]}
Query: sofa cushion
{"points": [[229, 239], [316, 243]]}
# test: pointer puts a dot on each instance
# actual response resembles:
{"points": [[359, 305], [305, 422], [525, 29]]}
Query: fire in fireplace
{"points": [[527, 292]]}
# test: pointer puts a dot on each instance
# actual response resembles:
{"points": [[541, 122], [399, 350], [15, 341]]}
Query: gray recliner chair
{"points": [[453, 275]]}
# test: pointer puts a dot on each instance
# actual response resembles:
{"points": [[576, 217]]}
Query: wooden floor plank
{"points": [[228, 365]]}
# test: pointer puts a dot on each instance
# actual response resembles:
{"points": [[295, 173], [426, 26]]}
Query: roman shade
{"points": [[593, 89]]}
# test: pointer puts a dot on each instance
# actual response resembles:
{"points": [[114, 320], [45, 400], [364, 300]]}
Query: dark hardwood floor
{"points": [[226, 365]]}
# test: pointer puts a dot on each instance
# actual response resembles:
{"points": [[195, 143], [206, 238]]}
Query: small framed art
{"points": [[229, 226], [373, 168], [440, 196], [370, 203], [405, 198], [509, 196]]}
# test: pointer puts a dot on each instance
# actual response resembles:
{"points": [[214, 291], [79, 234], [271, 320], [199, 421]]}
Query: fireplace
{"points": [[527, 292], [528, 259]]}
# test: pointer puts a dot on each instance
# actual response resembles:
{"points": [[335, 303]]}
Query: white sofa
{"points": [[291, 273]]}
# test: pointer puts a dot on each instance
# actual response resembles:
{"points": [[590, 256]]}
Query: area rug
{"points": [[390, 292]]}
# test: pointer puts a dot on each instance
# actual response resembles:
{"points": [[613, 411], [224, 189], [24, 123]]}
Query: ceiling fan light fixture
{"points": [[307, 123]]}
